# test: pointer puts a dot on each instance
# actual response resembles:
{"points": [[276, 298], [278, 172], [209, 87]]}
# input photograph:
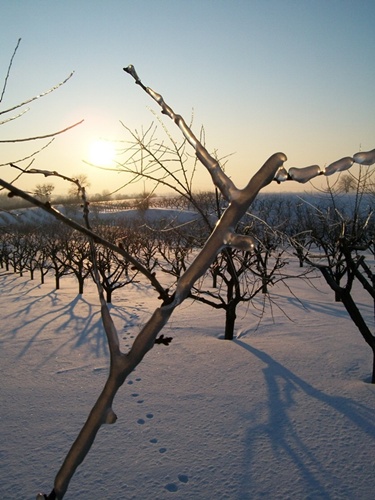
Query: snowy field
{"points": [[286, 411]]}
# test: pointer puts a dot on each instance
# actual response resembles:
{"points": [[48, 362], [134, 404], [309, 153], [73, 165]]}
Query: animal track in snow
{"points": [[173, 487]]}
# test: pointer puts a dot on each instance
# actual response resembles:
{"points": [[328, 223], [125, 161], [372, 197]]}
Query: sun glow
{"points": [[101, 153]]}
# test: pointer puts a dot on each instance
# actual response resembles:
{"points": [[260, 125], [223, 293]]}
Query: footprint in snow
{"points": [[173, 487]]}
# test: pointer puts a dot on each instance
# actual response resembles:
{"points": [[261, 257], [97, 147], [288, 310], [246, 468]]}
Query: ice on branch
{"points": [[305, 174], [242, 242], [339, 166], [281, 175], [131, 70], [365, 157]]}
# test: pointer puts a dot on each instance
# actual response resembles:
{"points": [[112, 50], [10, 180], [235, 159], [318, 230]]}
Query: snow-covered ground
{"points": [[286, 411]]}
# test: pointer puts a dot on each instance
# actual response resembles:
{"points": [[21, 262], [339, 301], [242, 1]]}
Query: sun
{"points": [[101, 153]]}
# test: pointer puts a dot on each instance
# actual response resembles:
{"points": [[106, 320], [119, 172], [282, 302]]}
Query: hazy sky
{"points": [[262, 76]]}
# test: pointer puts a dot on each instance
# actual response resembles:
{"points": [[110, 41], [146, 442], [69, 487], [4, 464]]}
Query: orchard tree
{"points": [[339, 236], [74, 190], [346, 183], [44, 191]]}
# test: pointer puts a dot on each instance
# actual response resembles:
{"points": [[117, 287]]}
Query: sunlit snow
{"points": [[286, 410]]}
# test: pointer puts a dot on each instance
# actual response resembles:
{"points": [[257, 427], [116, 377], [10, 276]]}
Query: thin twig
{"points": [[9, 69], [52, 89], [46, 136]]}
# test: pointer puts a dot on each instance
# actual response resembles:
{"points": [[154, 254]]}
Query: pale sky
{"points": [[262, 76]]}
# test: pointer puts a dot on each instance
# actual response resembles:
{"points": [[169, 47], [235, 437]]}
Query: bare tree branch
{"points": [[43, 94], [219, 178], [46, 136], [11, 118], [28, 157], [9, 69]]}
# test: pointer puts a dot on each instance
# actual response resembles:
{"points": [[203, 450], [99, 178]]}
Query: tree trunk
{"points": [[358, 320], [230, 319], [80, 284], [57, 280], [264, 283], [214, 280], [300, 257]]}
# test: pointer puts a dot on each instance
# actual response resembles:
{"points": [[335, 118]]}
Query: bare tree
{"points": [[346, 183], [338, 235], [44, 191], [73, 191]]}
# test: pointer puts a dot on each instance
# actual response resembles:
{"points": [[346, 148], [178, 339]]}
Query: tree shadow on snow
{"points": [[286, 442], [76, 323], [54, 319]]}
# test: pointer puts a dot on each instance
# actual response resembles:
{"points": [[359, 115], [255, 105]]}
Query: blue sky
{"points": [[296, 76]]}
